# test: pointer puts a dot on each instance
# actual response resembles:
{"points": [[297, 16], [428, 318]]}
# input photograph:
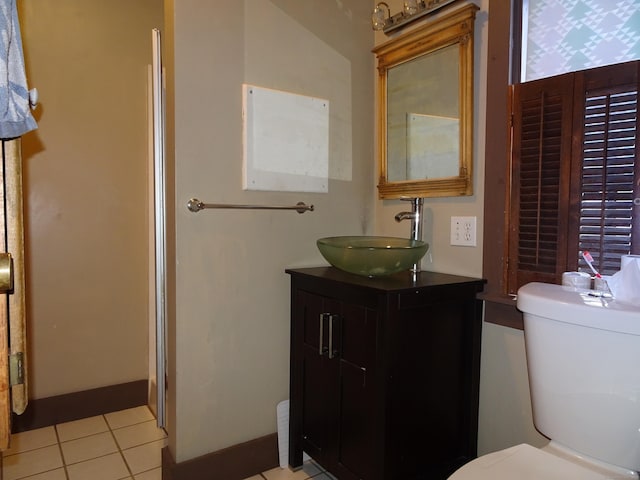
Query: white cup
{"points": [[601, 285], [576, 280]]}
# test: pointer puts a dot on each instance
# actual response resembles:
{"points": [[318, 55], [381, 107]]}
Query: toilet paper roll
{"points": [[628, 260], [576, 279]]}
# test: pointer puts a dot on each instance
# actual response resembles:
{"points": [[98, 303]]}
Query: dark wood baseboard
{"points": [[234, 463], [48, 411]]}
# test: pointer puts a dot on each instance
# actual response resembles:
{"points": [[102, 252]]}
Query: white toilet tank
{"points": [[583, 356]]}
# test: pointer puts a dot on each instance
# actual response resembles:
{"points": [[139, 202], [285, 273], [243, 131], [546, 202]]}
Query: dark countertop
{"points": [[396, 282]]}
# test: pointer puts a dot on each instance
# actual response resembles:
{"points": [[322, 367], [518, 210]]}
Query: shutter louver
{"points": [[608, 169], [540, 178], [539, 184]]}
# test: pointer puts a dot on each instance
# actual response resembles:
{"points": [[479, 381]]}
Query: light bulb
{"points": [[379, 16], [410, 7]]}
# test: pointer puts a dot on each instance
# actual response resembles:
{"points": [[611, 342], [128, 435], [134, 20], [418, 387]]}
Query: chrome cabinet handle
{"points": [[321, 342], [321, 348], [330, 336], [332, 353]]}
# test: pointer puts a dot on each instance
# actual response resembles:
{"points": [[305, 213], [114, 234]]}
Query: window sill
{"points": [[500, 309]]}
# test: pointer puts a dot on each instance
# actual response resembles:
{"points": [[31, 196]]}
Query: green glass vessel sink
{"points": [[372, 256]]}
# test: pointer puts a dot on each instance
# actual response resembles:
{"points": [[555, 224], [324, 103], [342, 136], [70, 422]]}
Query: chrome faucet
{"points": [[415, 215]]}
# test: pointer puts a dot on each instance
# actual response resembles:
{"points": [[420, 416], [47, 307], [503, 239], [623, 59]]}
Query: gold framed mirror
{"points": [[425, 109]]}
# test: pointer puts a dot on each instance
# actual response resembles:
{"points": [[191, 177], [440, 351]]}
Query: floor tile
{"points": [[324, 476], [123, 445], [285, 474], [57, 474], [144, 457], [155, 474], [131, 416], [81, 428], [109, 467], [31, 462], [311, 468], [32, 439], [138, 434], [86, 448]]}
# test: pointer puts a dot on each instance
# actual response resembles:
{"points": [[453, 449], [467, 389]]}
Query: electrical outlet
{"points": [[463, 231]]}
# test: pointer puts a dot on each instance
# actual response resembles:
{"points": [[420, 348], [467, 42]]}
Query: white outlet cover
{"points": [[463, 231]]}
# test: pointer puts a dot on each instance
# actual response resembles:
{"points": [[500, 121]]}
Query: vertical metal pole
{"points": [[416, 227], [160, 227]]}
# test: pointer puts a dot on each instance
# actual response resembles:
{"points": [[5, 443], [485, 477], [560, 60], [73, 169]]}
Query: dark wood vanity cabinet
{"points": [[384, 373]]}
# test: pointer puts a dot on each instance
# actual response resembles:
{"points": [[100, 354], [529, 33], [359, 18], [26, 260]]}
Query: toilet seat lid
{"points": [[524, 462]]}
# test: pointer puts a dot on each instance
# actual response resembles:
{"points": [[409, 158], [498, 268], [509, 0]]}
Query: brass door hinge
{"points": [[16, 369]]}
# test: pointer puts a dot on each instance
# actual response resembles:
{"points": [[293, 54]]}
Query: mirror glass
{"points": [[425, 109], [423, 117]]}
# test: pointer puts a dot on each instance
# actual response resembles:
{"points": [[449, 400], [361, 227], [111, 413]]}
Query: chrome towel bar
{"points": [[194, 205]]}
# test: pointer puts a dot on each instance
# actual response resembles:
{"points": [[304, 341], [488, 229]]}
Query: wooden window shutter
{"points": [[606, 105], [575, 177], [540, 180]]}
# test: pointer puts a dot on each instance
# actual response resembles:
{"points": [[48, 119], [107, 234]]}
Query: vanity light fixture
{"points": [[381, 18]]}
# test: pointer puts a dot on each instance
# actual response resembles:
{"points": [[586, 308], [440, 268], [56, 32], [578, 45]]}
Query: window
{"points": [[575, 181], [560, 36]]}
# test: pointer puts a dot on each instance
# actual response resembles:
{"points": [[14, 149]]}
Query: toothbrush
{"points": [[589, 259]]}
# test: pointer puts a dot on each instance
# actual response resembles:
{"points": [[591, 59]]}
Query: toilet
{"points": [[583, 357]]}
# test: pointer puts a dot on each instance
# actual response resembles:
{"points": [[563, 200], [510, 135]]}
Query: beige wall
{"points": [[505, 405], [229, 338], [231, 350], [86, 191]]}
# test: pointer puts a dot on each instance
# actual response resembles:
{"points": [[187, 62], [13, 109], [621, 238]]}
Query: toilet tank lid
{"points": [[580, 307]]}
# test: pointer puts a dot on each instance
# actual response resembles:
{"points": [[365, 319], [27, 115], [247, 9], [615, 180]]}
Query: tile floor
{"points": [[310, 470], [115, 446], [121, 445]]}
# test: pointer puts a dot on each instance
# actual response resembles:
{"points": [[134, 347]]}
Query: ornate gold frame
{"points": [[456, 27]]}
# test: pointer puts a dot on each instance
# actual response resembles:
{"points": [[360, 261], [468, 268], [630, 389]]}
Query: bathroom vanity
{"points": [[384, 373]]}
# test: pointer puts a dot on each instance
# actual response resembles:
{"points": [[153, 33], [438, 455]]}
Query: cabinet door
{"points": [[357, 423], [432, 416], [319, 374], [336, 377]]}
